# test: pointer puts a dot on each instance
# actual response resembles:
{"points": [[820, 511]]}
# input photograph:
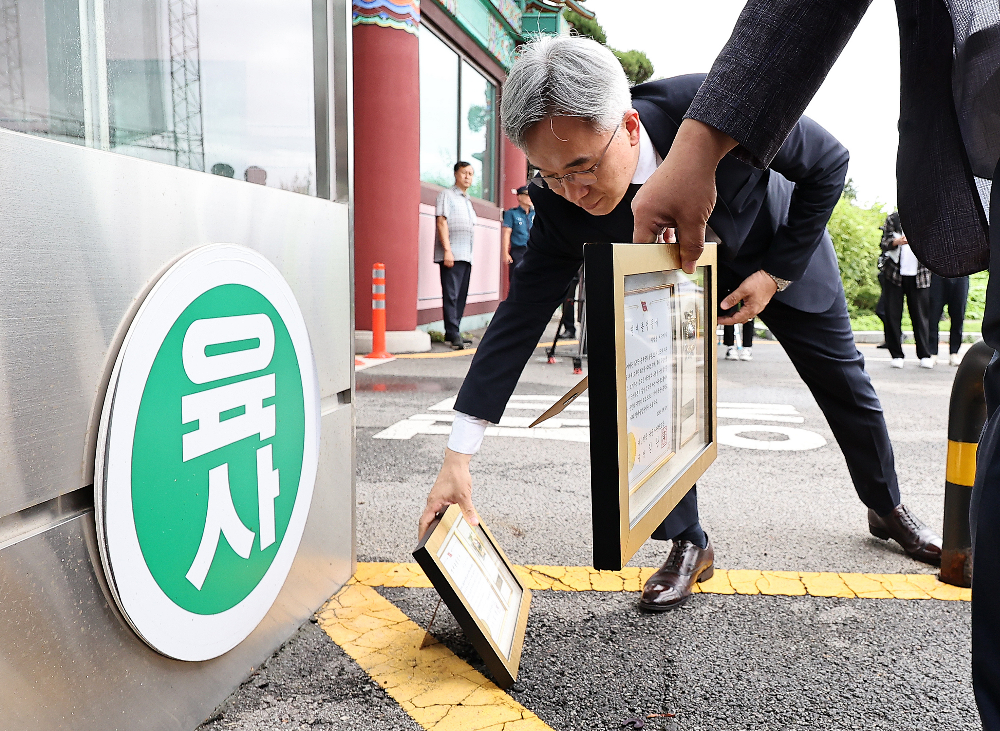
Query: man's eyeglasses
{"points": [[580, 177]]}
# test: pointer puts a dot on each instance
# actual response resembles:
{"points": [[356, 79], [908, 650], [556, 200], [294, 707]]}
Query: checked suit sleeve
{"points": [[778, 56], [536, 289]]}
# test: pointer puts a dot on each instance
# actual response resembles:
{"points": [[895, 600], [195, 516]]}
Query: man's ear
{"points": [[632, 126]]}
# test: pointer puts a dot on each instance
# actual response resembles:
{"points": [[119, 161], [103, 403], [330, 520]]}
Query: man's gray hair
{"points": [[565, 76]]}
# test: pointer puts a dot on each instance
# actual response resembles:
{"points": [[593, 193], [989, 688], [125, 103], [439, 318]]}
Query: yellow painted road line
{"points": [[438, 690], [733, 581], [472, 351]]}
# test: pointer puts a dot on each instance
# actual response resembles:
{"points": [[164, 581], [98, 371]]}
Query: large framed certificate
{"points": [[651, 332], [477, 582]]}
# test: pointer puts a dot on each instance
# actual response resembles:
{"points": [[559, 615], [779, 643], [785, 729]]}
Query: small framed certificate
{"points": [[477, 582], [651, 331]]}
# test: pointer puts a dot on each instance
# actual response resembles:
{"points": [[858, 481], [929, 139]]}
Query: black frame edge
{"points": [[599, 276]]}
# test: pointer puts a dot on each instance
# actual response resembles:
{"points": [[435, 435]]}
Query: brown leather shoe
{"points": [[919, 541], [671, 586]]}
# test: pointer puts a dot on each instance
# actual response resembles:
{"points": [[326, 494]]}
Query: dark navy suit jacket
{"points": [[771, 219]]}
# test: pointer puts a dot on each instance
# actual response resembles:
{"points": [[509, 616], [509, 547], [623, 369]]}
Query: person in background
{"points": [[745, 351], [953, 292], [516, 227], [456, 226], [903, 275]]}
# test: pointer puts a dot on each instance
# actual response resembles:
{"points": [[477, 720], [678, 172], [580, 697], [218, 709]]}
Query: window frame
{"points": [[497, 85]]}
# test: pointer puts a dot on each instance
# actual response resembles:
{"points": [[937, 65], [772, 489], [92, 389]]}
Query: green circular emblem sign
{"points": [[207, 452]]}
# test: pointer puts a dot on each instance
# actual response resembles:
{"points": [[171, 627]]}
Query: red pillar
{"points": [[515, 171], [386, 171]]}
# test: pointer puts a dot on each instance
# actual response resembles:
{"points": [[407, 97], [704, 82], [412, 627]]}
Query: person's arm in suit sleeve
{"points": [[777, 57], [816, 162], [536, 290]]}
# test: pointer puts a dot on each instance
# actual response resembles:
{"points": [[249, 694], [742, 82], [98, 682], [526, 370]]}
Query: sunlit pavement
{"points": [[792, 633]]}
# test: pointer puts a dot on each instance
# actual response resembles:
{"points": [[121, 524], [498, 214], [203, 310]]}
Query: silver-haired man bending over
{"points": [[567, 104]]}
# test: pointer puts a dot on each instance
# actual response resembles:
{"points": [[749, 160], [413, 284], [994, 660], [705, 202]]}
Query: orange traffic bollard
{"points": [[378, 313]]}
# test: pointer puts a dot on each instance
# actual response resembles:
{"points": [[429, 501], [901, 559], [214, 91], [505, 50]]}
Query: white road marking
{"points": [[758, 412], [573, 429], [564, 429], [797, 439]]}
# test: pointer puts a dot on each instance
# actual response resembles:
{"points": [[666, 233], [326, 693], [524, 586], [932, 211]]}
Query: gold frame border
{"points": [[433, 545], [641, 259]]}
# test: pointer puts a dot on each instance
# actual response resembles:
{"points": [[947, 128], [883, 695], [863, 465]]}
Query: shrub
{"points": [[856, 235]]}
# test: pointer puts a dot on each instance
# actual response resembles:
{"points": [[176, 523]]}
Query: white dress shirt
{"points": [[467, 432]]}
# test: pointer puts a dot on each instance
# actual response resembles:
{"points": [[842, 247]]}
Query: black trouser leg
{"points": [[893, 319], [729, 335], [454, 290], [569, 307], [986, 511], [880, 305], [516, 253], [683, 519], [748, 334], [822, 349], [957, 297], [939, 293], [918, 303]]}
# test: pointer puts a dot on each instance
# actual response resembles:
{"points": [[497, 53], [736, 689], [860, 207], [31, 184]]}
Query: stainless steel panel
{"points": [[82, 233], [68, 660]]}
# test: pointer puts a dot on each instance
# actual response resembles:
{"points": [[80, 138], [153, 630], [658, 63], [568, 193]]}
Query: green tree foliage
{"points": [[638, 67], [588, 27], [856, 235]]}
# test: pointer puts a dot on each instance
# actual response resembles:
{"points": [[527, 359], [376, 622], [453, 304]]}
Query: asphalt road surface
{"points": [[591, 660]]}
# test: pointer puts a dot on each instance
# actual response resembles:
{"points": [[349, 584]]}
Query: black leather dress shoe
{"points": [[671, 586], [919, 541]]}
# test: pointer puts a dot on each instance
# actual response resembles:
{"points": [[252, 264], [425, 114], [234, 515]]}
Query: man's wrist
{"points": [[451, 455], [781, 284], [706, 138]]}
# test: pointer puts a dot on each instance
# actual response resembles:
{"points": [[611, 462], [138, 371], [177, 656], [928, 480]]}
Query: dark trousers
{"points": [[918, 302], [729, 334], [954, 293], [516, 253], [822, 349], [985, 516], [454, 290], [569, 308], [880, 305]]}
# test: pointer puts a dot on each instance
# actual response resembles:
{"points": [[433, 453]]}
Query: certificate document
{"points": [[649, 381], [477, 571], [664, 315]]}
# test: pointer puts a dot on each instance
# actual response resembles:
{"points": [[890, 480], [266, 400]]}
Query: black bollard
{"points": [[966, 416]]}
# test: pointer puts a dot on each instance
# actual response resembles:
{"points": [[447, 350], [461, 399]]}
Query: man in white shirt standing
{"points": [[904, 275], [456, 231]]}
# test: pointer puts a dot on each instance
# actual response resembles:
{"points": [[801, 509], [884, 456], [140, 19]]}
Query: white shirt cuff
{"points": [[467, 433]]}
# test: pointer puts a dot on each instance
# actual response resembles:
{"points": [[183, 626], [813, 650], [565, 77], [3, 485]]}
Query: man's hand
{"points": [[509, 258], [681, 193], [453, 486], [755, 292], [901, 241], [449, 259]]}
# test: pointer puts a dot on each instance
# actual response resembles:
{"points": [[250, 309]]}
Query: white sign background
{"points": [[162, 624]]}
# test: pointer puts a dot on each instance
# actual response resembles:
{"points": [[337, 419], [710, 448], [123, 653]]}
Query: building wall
{"points": [[394, 215]]}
